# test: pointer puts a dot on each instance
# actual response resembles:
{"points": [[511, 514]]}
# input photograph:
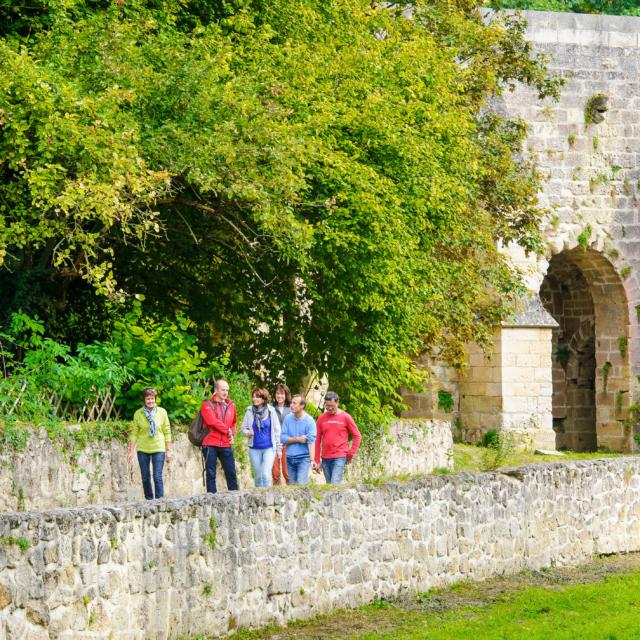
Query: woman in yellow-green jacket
{"points": [[151, 436]]}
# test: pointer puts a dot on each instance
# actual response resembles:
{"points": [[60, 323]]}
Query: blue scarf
{"points": [[259, 415], [152, 422]]}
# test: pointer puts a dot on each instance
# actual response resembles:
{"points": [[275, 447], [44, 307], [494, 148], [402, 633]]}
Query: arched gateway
{"points": [[590, 351], [565, 372]]}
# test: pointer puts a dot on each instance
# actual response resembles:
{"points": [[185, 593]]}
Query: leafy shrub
{"points": [[445, 401], [490, 439], [313, 410], [497, 453], [163, 355], [141, 352], [616, 7], [13, 436]]}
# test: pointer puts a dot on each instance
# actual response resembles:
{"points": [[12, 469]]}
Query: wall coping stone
{"points": [[580, 21], [279, 495]]}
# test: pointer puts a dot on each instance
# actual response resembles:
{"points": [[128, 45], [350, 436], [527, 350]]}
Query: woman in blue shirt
{"points": [[261, 427]]}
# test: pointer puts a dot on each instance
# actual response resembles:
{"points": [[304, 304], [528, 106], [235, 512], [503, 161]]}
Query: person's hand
{"points": [[302, 439], [316, 467], [168, 456], [349, 460], [279, 455], [130, 456]]}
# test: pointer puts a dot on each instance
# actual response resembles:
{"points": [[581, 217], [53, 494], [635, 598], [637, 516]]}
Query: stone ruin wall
{"points": [[510, 388], [592, 189], [588, 279], [209, 564], [42, 476]]}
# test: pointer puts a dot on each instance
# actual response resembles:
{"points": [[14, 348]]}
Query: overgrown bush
{"points": [[490, 439], [499, 448], [42, 379], [163, 355]]}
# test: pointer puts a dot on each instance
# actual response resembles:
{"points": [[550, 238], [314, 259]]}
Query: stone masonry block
{"points": [[527, 360], [517, 376]]}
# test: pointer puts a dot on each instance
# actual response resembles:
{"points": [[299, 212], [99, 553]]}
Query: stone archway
{"points": [[590, 351]]}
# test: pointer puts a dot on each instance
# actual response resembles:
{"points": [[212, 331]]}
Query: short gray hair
{"points": [[332, 395]]}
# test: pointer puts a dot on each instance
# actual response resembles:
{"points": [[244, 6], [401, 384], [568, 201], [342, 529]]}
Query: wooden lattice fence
{"points": [[101, 406]]}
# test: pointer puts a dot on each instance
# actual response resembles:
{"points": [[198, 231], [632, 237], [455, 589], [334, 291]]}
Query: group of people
{"points": [[279, 437]]}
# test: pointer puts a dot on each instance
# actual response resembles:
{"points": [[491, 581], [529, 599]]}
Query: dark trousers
{"points": [[225, 454], [145, 460]]}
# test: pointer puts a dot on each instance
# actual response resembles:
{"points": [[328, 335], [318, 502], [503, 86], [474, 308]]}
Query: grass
{"points": [[211, 538], [537, 613], [468, 457], [598, 601]]}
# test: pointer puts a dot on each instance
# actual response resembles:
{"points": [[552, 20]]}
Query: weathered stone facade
{"points": [[589, 277], [510, 388], [44, 477], [209, 564]]}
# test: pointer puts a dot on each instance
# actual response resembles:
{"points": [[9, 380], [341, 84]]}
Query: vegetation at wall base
{"points": [[472, 458], [317, 186]]}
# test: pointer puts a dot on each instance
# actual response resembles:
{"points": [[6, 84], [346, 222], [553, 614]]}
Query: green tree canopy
{"points": [[320, 184]]}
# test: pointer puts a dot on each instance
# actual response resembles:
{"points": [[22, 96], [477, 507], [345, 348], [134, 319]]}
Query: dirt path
{"points": [[383, 616]]}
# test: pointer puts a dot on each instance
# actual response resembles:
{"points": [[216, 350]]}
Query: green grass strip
{"points": [[608, 610]]}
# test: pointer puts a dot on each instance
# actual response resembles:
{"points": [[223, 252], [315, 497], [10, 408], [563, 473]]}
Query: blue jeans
{"points": [[262, 462], [333, 469], [298, 467], [211, 455], [144, 460]]}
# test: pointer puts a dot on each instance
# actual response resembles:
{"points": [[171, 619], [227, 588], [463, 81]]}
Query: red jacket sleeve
{"points": [[356, 438], [232, 418], [211, 419]]}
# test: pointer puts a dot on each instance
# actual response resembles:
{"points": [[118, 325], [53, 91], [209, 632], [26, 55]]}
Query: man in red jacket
{"points": [[335, 428], [219, 414]]}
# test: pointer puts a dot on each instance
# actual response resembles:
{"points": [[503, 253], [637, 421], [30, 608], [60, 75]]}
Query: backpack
{"points": [[196, 434], [198, 430]]}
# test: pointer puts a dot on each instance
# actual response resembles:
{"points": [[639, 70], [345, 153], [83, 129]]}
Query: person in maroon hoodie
{"points": [[219, 414], [335, 428]]}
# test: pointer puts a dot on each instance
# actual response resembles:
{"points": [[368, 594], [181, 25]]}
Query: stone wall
{"points": [[591, 190], [589, 273], [43, 477], [591, 169], [510, 388], [425, 403], [208, 564]]}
